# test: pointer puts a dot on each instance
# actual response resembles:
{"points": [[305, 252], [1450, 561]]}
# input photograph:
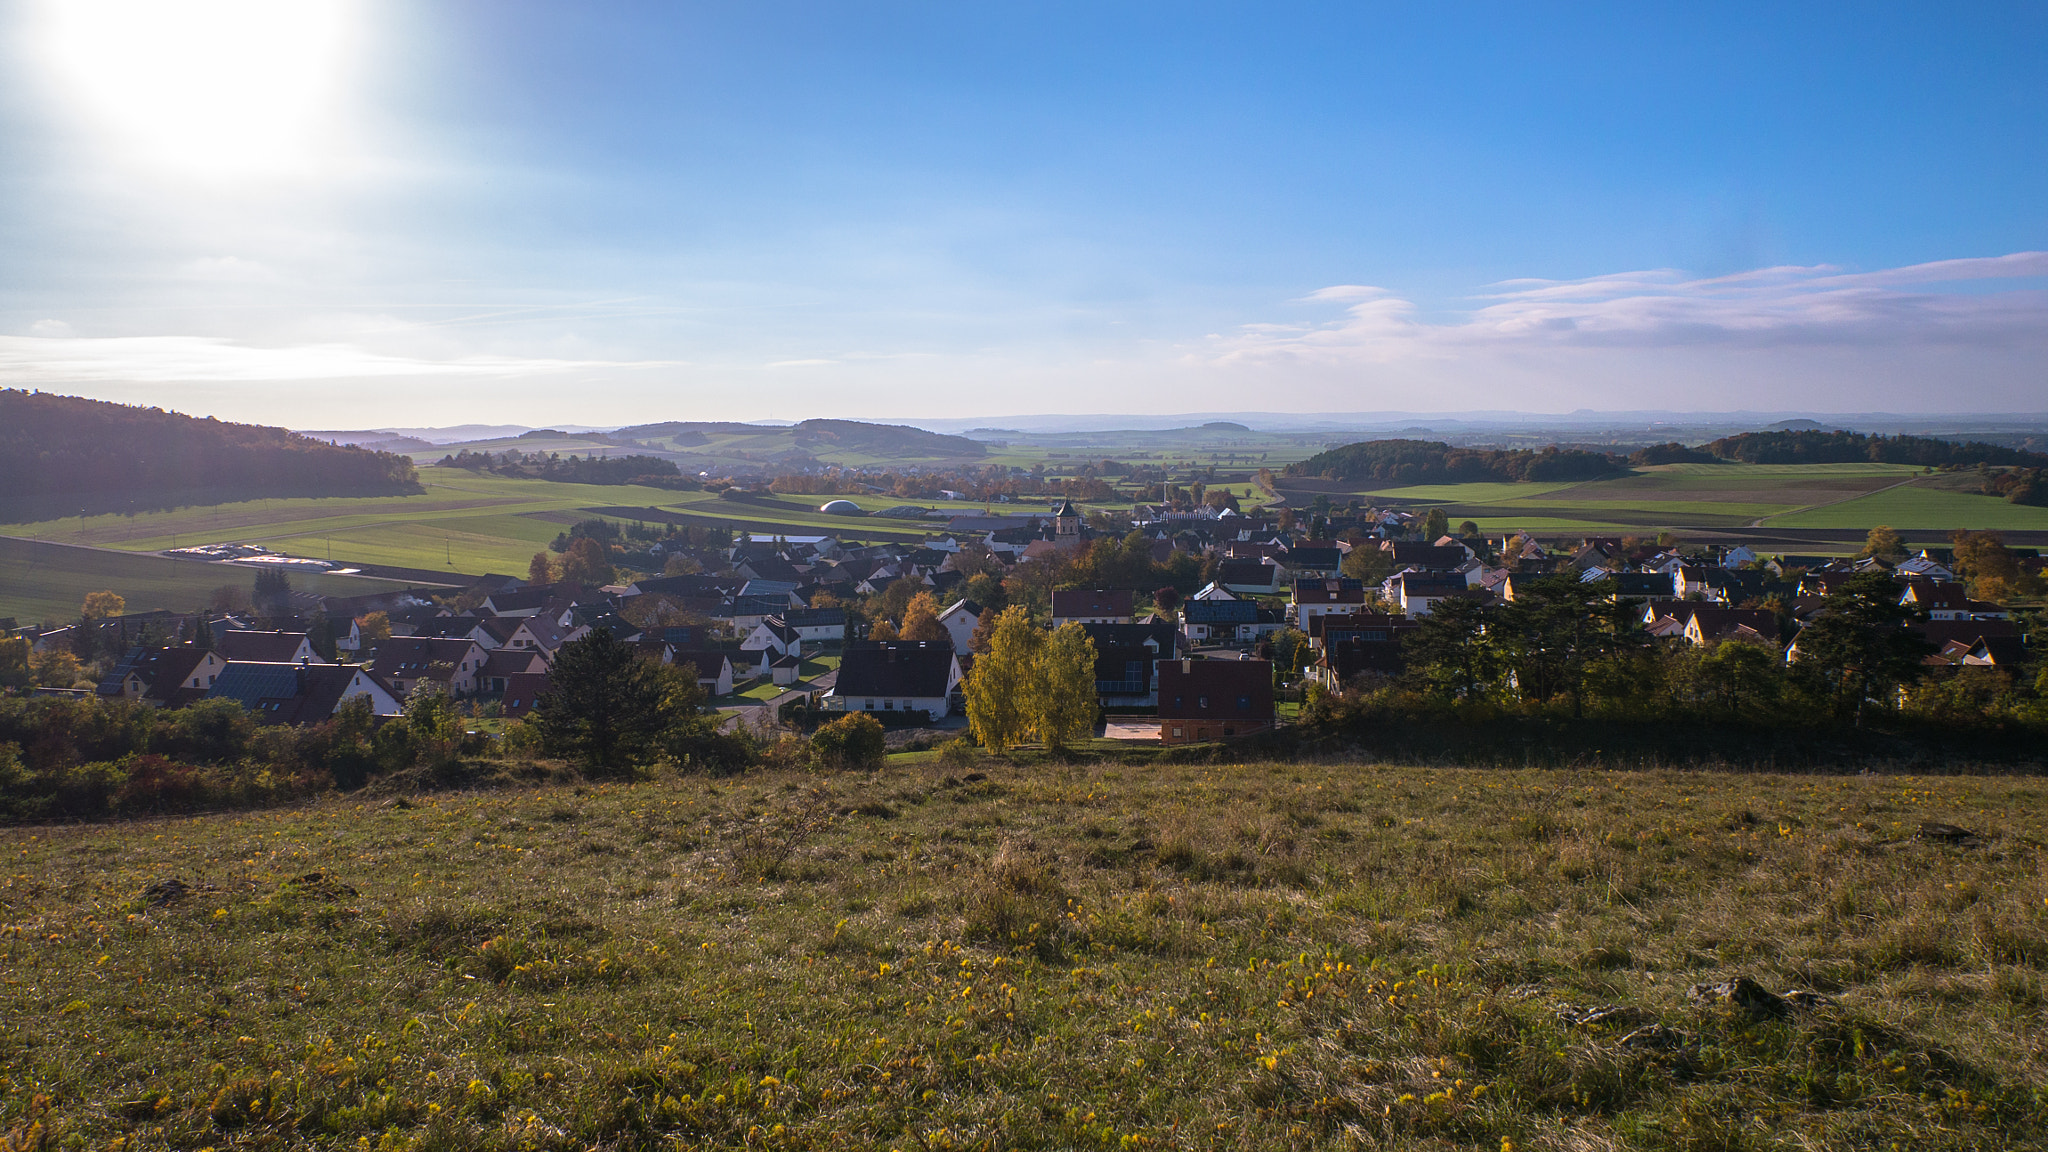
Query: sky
{"points": [[337, 214]]}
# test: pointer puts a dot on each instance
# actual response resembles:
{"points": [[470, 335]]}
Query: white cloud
{"points": [[51, 329], [1770, 307]]}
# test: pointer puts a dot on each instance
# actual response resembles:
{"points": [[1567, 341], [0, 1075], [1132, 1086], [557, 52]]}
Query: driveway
{"points": [[759, 716]]}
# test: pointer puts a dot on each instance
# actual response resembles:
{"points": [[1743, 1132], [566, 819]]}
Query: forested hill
{"points": [[1430, 462], [92, 454], [1809, 447]]}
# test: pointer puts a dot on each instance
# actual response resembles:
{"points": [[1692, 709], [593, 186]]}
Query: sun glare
{"points": [[230, 88]]}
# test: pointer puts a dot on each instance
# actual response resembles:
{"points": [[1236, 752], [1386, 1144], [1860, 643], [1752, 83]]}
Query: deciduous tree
{"points": [[998, 706], [1062, 691], [100, 605], [921, 620]]}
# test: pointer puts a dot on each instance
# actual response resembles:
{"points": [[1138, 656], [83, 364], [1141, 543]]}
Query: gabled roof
{"points": [[274, 647], [283, 692], [895, 669], [709, 662], [1092, 602], [1220, 612]]}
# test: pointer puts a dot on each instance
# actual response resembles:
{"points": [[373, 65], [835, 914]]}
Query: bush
{"points": [[852, 741]]}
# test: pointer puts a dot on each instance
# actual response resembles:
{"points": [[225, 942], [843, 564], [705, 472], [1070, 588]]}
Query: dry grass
{"points": [[1058, 957]]}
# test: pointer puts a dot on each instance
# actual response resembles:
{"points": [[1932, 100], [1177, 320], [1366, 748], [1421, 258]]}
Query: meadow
{"points": [[959, 954], [48, 582]]}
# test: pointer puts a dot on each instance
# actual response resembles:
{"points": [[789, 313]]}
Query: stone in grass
{"points": [[1756, 1001], [1654, 1038], [1950, 834], [1605, 1014]]}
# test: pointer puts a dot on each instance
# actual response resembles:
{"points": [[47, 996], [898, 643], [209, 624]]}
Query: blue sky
{"points": [[349, 214]]}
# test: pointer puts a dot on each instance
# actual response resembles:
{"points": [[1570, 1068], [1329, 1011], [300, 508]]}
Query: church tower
{"points": [[1066, 522]]}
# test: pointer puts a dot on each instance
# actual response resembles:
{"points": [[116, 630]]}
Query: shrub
{"points": [[852, 741]]}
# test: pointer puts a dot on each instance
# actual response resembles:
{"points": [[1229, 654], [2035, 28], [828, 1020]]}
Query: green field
{"points": [[1721, 497], [984, 956], [47, 582]]}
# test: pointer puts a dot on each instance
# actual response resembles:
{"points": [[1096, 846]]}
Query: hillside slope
{"points": [[61, 454]]}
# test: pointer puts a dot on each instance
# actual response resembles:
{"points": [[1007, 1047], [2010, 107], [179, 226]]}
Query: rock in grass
{"points": [[1949, 834], [1752, 998], [1654, 1038]]}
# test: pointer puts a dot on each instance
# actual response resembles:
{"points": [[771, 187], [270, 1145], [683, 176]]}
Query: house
{"points": [[461, 628], [1415, 593], [1705, 627], [1324, 597], [537, 634], [172, 675], [1351, 654], [1305, 563], [407, 662], [268, 647], [282, 693], [745, 613], [960, 619], [1251, 577], [1091, 606], [818, 625], [501, 664], [1213, 699], [1948, 602], [895, 676], [1926, 565], [784, 670], [1217, 621], [775, 635], [1212, 591], [1372, 627], [1427, 557], [1126, 661], [1631, 586], [523, 691], [713, 668]]}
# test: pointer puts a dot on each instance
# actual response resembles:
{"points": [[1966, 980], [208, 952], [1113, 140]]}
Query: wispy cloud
{"points": [[1817, 305], [40, 360]]}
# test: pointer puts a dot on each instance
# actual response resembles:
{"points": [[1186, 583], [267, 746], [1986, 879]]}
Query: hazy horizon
{"points": [[335, 214]]}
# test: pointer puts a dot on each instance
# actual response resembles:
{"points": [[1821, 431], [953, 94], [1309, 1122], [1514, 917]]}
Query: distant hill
{"points": [[813, 436], [1808, 446], [66, 454], [1432, 462]]}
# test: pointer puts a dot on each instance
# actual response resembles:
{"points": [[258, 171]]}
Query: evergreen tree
{"points": [[1858, 648], [607, 708]]}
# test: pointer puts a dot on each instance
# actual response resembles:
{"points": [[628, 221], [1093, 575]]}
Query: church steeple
{"points": [[1066, 522]]}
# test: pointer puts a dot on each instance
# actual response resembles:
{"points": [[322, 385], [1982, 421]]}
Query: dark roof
{"points": [[698, 585], [1321, 558], [1183, 684], [894, 669], [1427, 556], [756, 606], [1092, 602], [1245, 572], [522, 691], [410, 657], [1219, 612], [708, 662], [1348, 657], [1322, 624], [275, 647], [814, 617], [503, 662], [284, 693], [1164, 634]]}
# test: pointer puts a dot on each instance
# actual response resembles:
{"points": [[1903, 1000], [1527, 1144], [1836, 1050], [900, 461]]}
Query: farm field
{"points": [[47, 582], [1920, 507], [981, 956]]}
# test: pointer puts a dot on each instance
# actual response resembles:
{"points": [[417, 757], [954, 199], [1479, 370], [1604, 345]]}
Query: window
{"points": [[1202, 702], [1244, 703], [1178, 731], [871, 705], [888, 705]]}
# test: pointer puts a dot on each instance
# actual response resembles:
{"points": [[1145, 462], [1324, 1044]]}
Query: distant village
{"points": [[1205, 620]]}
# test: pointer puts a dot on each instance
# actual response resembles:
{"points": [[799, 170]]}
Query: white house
{"points": [[960, 620], [896, 676]]}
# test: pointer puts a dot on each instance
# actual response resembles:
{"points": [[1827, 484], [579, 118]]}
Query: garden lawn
{"points": [[952, 954]]}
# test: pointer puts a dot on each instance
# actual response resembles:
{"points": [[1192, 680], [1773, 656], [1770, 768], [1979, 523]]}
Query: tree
{"points": [[272, 595], [1063, 687], [1436, 525], [607, 708], [1167, 598], [1857, 648], [375, 628], [1738, 674], [586, 562], [1447, 653], [921, 620], [997, 690], [540, 569], [1883, 544], [57, 668], [100, 605], [1290, 651], [681, 564], [1368, 563], [1554, 630], [1467, 529], [855, 740], [1988, 569], [15, 671]]}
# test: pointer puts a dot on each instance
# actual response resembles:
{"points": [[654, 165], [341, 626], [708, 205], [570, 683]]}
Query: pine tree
{"points": [[606, 707]]}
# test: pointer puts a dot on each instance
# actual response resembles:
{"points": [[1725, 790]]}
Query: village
{"points": [[1206, 623]]}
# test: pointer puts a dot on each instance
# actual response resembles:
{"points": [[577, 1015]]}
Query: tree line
{"points": [[1433, 462], [51, 445]]}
